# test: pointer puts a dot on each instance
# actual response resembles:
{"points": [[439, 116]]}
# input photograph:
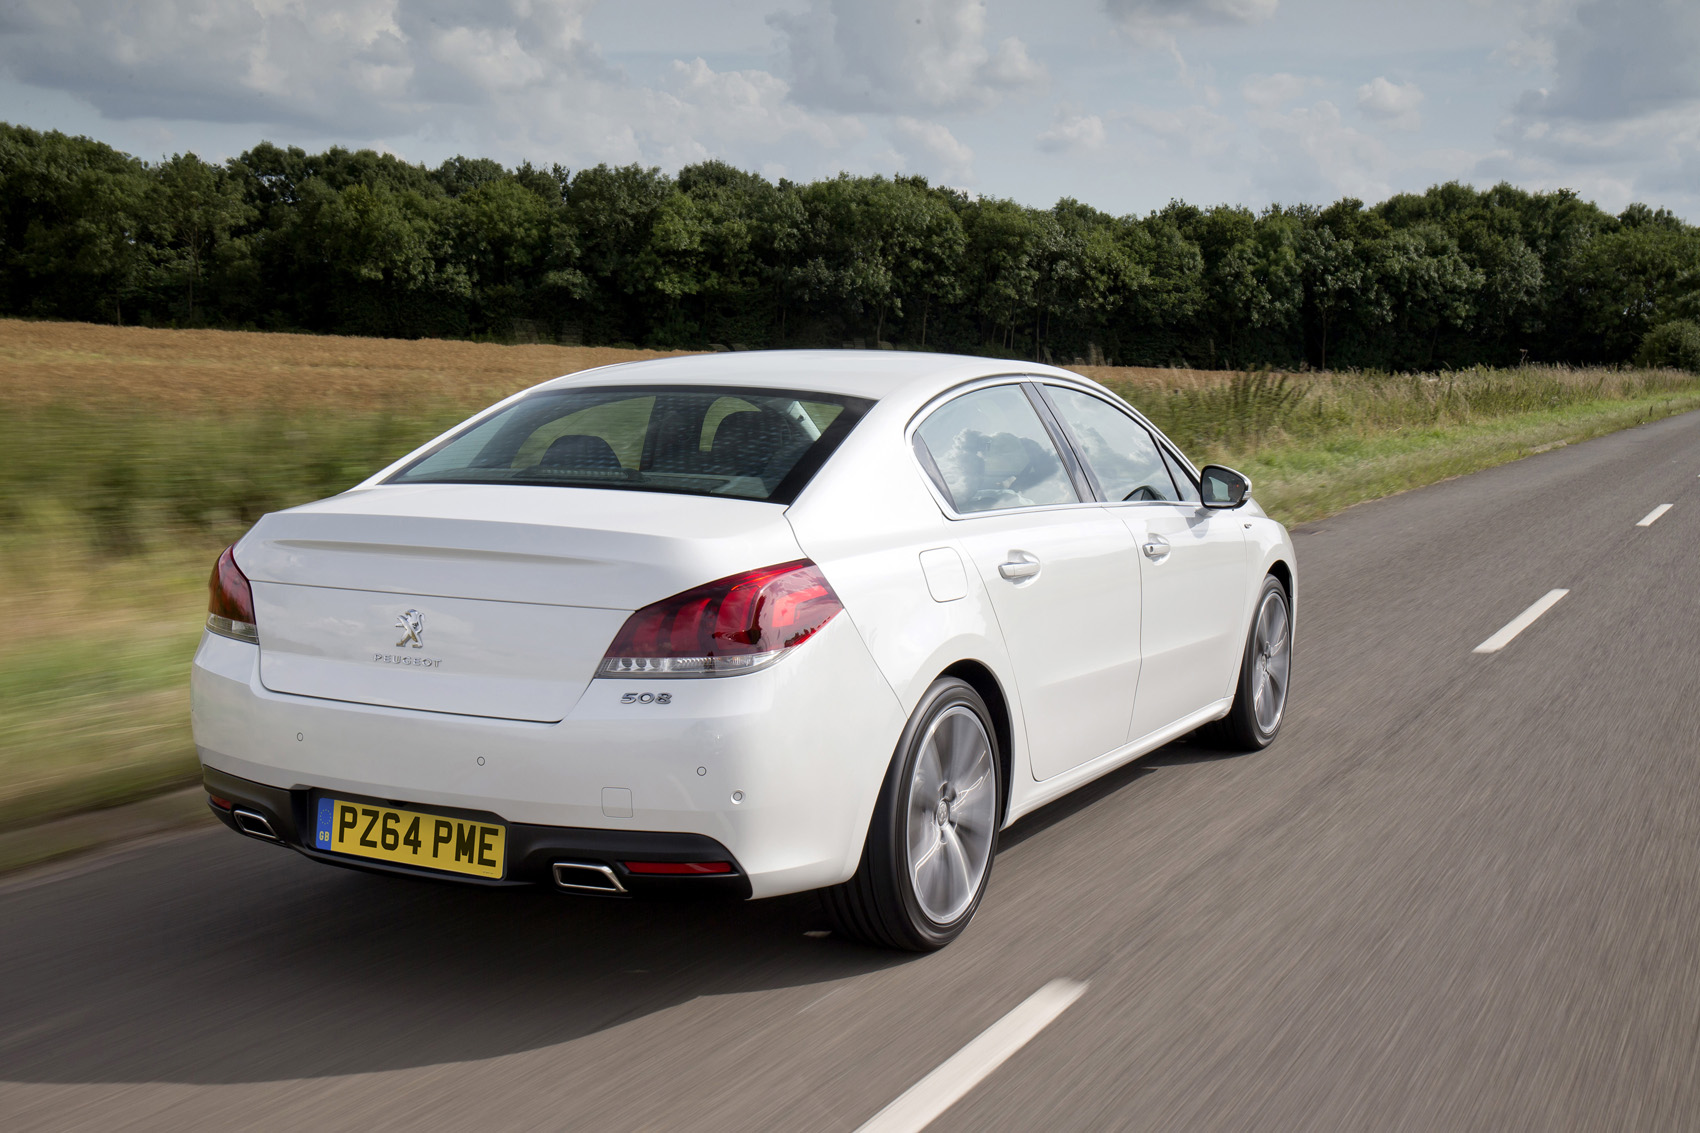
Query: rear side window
{"points": [[988, 451], [756, 444]]}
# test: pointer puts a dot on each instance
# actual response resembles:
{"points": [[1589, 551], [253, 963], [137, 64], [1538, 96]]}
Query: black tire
{"points": [[880, 905], [1241, 729]]}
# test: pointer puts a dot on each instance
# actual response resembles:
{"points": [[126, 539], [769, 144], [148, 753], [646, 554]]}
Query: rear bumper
{"points": [[532, 851], [779, 768]]}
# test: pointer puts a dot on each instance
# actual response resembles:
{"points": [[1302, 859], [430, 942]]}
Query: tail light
{"points": [[230, 609], [734, 625]]}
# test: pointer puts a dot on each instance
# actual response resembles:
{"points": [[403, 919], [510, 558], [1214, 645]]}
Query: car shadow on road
{"points": [[1186, 750], [220, 960], [217, 959]]}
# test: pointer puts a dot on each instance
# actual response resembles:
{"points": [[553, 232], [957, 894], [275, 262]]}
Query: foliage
{"points": [[356, 242], [1675, 344]]}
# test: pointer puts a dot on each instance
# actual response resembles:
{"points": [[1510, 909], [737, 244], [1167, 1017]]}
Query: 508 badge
{"points": [[647, 698]]}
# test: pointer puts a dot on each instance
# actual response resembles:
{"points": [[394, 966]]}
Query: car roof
{"points": [[872, 374]]}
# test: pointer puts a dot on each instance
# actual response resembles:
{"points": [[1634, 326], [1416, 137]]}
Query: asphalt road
{"points": [[1462, 891]]}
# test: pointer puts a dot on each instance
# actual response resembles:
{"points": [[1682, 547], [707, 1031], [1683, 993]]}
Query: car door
{"points": [[1062, 575], [1192, 560]]}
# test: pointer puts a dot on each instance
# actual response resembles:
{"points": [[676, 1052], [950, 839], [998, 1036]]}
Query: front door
{"points": [[1191, 562]]}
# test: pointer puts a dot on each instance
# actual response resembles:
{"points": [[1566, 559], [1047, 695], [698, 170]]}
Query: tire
{"points": [[1260, 696], [935, 827]]}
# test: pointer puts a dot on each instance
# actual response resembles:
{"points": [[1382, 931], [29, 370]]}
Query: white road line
{"points": [[916, 1107], [1520, 623], [1652, 517]]}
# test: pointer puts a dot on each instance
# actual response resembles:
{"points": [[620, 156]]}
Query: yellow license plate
{"points": [[410, 837]]}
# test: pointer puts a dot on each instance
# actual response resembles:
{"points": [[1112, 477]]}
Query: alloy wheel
{"points": [[951, 814]]}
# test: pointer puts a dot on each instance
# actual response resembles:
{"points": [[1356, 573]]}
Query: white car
{"points": [[742, 625]]}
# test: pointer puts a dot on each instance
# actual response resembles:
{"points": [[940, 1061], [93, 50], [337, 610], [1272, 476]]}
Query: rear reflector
{"points": [[221, 804], [678, 867]]}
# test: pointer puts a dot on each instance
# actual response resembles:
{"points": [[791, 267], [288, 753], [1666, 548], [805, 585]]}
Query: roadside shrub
{"points": [[1674, 344]]}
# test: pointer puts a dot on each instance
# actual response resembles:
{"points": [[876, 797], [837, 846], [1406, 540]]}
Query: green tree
{"points": [[195, 207]]}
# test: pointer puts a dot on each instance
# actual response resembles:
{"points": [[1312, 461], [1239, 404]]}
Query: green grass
{"points": [[110, 520], [1300, 481]]}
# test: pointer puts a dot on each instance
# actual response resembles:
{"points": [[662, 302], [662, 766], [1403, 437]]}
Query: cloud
{"points": [[900, 56], [1276, 90], [1148, 15], [506, 78], [943, 157], [1393, 104], [1309, 153], [1195, 131], [1618, 59], [1622, 110], [1072, 132]]}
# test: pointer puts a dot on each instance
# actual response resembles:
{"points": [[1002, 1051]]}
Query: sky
{"points": [[1123, 104]]}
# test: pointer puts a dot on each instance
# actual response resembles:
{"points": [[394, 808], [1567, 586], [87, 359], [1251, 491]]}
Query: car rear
{"points": [[574, 643]]}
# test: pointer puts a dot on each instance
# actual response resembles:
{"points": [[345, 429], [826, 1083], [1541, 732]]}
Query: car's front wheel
{"points": [[1260, 695], [929, 851]]}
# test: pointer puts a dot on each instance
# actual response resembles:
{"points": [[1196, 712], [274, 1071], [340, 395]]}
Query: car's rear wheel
{"points": [[929, 851], [1260, 697]]}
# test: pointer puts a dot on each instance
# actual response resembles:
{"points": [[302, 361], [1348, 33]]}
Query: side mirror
{"points": [[1223, 487]]}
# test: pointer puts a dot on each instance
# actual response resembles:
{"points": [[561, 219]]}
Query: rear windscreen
{"points": [[752, 444]]}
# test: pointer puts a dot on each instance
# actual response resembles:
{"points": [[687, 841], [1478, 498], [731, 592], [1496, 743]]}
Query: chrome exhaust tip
{"points": [[258, 825], [588, 877]]}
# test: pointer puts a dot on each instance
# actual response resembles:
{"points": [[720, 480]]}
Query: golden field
{"points": [[204, 371]]}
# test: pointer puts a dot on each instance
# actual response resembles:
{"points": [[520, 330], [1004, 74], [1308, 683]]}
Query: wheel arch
{"points": [[1284, 572], [982, 680]]}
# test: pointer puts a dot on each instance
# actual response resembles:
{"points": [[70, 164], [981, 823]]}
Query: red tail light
{"points": [[230, 609], [733, 625]]}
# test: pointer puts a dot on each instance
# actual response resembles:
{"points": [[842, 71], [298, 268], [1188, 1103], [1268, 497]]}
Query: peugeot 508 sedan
{"points": [[740, 624]]}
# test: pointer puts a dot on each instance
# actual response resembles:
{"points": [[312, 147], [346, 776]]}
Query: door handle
{"points": [[1021, 565], [1156, 548]]}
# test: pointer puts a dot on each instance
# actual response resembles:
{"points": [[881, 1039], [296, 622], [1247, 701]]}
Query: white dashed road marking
{"points": [[1652, 517], [1520, 623], [917, 1106]]}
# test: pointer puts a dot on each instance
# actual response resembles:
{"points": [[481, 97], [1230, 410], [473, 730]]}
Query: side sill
{"points": [[1049, 790]]}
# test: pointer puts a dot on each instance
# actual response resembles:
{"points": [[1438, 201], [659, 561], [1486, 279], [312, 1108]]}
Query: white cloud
{"points": [[1622, 110], [1309, 153], [1393, 104], [941, 156], [513, 78], [1162, 14], [1194, 131], [900, 56], [1276, 90], [1072, 132]]}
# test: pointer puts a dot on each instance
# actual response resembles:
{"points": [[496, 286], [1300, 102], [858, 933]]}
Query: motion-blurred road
{"points": [[1462, 891]]}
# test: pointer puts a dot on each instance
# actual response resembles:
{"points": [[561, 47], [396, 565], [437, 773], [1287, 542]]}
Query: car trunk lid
{"points": [[476, 599]]}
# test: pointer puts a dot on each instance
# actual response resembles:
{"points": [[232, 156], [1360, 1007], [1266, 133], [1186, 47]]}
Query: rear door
{"points": [[1192, 560], [1062, 574]]}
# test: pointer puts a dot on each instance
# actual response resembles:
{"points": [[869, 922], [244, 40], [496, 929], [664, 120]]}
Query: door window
{"points": [[1119, 451], [1183, 479], [988, 451]]}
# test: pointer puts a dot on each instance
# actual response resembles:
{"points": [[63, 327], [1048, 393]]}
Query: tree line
{"points": [[358, 242]]}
